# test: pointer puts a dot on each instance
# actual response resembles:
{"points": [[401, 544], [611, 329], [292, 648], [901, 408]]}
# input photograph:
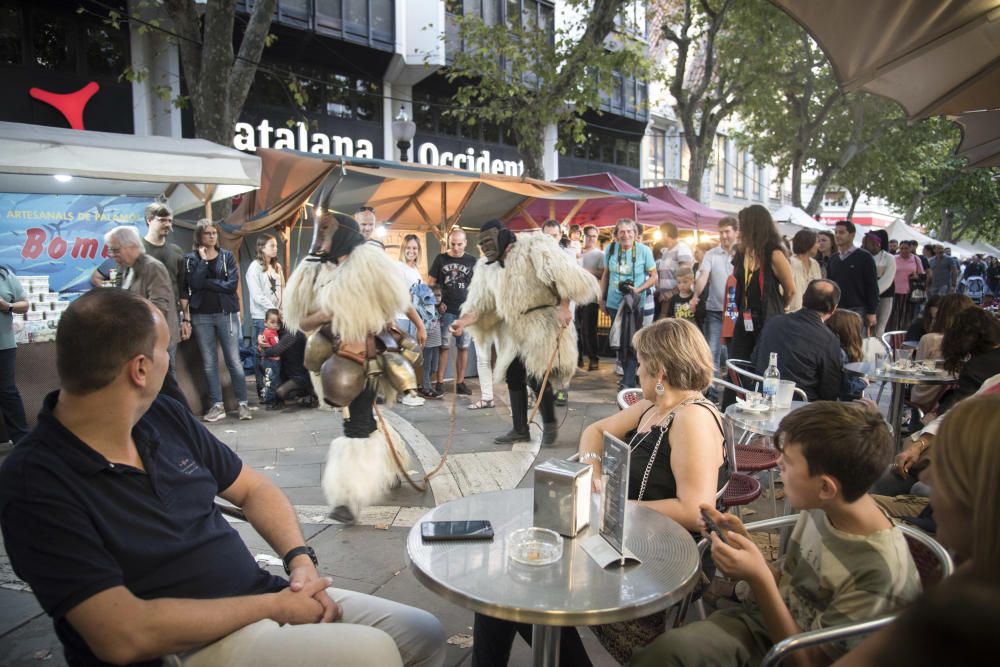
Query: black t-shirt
{"points": [[453, 274], [680, 307], [75, 524]]}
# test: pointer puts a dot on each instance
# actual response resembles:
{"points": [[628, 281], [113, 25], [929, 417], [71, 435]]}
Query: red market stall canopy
{"points": [[705, 217], [189, 173], [629, 203], [410, 196]]}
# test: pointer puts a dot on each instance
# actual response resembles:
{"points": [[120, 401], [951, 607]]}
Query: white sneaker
{"points": [[215, 413], [245, 411], [412, 400], [619, 370]]}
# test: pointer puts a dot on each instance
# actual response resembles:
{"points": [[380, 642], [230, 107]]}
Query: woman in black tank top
{"points": [[677, 464]]}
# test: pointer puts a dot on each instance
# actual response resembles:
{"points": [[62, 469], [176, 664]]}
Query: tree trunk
{"points": [[820, 190], [915, 203], [855, 196], [696, 171], [944, 230]]}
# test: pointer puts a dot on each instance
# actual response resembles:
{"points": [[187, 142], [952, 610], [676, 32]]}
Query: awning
{"points": [[900, 231], [186, 171], [706, 218], [408, 195], [980, 138], [934, 57], [794, 215], [629, 202]]}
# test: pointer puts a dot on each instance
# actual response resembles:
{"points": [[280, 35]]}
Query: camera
{"points": [[626, 287]]}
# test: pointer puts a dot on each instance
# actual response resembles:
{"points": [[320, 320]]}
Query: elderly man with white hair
{"points": [[148, 277]]}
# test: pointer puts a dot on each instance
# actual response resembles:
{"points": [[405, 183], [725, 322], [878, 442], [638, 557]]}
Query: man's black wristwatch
{"points": [[298, 551]]}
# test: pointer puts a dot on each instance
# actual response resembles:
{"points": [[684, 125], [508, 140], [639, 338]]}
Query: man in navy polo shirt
{"points": [[108, 512]]}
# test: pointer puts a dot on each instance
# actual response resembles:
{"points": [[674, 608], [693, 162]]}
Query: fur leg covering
{"points": [[360, 471]]}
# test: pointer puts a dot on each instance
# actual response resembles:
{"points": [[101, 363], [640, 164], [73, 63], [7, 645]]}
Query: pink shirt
{"points": [[904, 268]]}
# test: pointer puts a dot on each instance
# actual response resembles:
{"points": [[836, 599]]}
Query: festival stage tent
{"points": [[981, 248], [630, 202], [189, 173], [791, 219]]}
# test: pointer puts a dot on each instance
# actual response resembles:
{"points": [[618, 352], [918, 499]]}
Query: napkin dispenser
{"points": [[562, 496]]}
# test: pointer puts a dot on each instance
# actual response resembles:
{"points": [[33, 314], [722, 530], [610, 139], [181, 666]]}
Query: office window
{"points": [[720, 165], [656, 166], [106, 51], [53, 42], [10, 36], [685, 160]]}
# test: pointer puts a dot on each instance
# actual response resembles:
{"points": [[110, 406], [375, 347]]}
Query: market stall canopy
{"points": [[707, 218], [934, 57], [188, 172], [629, 202], [981, 248], [901, 231], [980, 138], [410, 196], [792, 219]]}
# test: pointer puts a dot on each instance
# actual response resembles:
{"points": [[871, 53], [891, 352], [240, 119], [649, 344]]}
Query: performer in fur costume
{"points": [[343, 295], [520, 293]]}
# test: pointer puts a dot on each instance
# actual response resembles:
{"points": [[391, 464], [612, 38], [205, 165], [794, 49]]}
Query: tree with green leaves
{"points": [[799, 119], [218, 77], [526, 76], [710, 57], [963, 204]]}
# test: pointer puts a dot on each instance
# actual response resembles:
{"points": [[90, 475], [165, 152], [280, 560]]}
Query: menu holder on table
{"points": [[608, 545]]}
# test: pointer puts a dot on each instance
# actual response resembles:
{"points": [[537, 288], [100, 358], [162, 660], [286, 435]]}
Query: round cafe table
{"points": [[899, 380], [478, 575], [760, 423]]}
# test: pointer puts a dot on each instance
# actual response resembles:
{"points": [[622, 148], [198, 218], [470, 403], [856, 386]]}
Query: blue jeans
{"points": [[712, 328], [626, 355], [11, 407], [431, 357], [271, 372], [224, 328], [258, 371]]}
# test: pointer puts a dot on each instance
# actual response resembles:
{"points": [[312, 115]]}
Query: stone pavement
{"points": [[290, 447]]}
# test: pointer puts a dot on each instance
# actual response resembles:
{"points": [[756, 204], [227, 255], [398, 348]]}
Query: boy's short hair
{"points": [[684, 272], [849, 442], [272, 311]]}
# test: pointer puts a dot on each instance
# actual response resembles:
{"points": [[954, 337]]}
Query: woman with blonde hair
{"points": [[677, 463], [265, 285]]}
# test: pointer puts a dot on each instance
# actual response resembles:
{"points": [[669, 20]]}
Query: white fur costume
{"points": [[363, 294], [536, 272]]}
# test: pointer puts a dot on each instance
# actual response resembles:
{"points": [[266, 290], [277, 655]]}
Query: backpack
{"points": [[424, 302]]}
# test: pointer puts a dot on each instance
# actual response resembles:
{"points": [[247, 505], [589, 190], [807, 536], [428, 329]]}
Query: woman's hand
{"points": [[421, 335], [203, 252]]}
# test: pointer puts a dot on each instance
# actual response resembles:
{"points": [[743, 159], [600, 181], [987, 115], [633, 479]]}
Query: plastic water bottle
{"points": [[772, 379]]}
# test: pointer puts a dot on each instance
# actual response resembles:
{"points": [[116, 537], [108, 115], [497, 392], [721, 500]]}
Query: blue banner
{"points": [[62, 236]]}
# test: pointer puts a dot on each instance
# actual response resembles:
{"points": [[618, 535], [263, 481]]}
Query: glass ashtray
{"points": [[535, 546]]}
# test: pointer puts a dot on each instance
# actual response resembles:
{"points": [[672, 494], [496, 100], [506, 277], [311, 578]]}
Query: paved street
{"points": [[290, 447]]}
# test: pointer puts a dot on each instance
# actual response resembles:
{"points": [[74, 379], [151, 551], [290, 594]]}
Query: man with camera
{"points": [[629, 274]]}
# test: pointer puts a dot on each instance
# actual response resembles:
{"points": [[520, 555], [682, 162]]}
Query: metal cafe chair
{"points": [[627, 397], [741, 374]]}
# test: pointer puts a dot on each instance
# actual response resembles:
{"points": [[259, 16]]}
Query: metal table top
{"points": [[478, 575], [867, 370], [761, 423]]}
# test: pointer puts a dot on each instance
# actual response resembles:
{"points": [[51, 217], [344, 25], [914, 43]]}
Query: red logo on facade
{"points": [[71, 105]]}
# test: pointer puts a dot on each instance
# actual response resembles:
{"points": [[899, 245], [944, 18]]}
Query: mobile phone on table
{"points": [[712, 527], [442, 531]]}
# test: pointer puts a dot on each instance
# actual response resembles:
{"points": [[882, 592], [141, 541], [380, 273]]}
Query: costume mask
{"points": [[494, 239], [335, 235]]}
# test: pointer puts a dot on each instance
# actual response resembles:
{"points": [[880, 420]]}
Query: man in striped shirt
{"points": [[845, 560]]}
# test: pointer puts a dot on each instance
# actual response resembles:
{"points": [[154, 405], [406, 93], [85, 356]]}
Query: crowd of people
{"points": [[136, 572]]}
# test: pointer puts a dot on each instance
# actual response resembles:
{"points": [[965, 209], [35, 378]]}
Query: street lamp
{"points": [[403, 130]]}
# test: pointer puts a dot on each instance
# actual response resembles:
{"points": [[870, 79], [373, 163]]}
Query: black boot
{"points": [[519, 412], [550, 431], [550, 426]]}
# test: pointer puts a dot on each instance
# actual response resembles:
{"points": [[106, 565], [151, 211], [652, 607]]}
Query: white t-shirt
{"points": [[411, 276], [669, 260], [718, 264]]}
